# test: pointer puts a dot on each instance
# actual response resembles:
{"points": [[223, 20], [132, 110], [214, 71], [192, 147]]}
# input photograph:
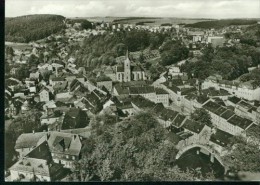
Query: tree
{"points": [[86, 25], [33, 60], [243, 155], [202, 116]]}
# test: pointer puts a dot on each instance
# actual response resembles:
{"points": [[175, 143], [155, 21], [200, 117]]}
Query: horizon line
{"points": [[140, 17]]}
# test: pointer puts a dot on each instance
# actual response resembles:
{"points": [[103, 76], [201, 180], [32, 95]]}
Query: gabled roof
{"points": [[193, 126], [240, 122], [28, 140], [66, 143], [221, 138], [234, 99], [160, 91], [142, 102], [227, 114], [141, 90], [73, 112]]}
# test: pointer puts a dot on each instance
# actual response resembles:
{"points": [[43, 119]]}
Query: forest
{"points": [[103, 49], [229, 62], [32, 27], [221, 23]]}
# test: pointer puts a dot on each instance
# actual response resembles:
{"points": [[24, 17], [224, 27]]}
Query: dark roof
{"points": [[202, 99], [172, 87], [121, 90], [141, 90], [41, 152], [211, 106], [66, 143], [58, 79], [177, 82], [160, 91], [141, 102], [227, 114], [221, 138], [234, 99], [240, 122], [164, 114], [244, 104], [178, 120], [73, 112], [220, 111], [193, 126], [186, 91]]}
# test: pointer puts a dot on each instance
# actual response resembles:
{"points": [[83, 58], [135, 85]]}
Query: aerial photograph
{"points": [[131, 90]]}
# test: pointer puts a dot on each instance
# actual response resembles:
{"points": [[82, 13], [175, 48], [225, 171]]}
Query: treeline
{"points": [[221, 23], [143, 22], [32, 27], [103, 49], [229, 62], [133, 18]]}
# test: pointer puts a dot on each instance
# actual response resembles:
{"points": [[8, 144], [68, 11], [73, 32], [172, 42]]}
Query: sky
{"points": [[144, 8]]}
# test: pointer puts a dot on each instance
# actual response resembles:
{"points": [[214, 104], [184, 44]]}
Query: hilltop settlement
{"points": [[199, 86]]}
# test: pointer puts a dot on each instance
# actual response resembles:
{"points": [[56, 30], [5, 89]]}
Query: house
{"points": [[127, 108], [75, 118], [27, 142], [50, 118], [35, 75], [60, 87], [65, 148], [219, 140], [155, 95], [165, 116], [36, 166], [200, 131], [225, 119], [107, 84], [25, 107], [244, 90], [44, 95], [127, 72], [140, 103], [56, 80], [216, 41]]}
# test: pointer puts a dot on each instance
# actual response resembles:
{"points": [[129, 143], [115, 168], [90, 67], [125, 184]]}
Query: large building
{"points": [[246, 90], [126, 72]]}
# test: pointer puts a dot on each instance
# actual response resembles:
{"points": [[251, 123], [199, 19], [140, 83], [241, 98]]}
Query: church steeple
{"points": [[127, 54], [127, 68]]}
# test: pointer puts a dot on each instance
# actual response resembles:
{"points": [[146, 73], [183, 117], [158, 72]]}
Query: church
{"points": [[126, 72]]}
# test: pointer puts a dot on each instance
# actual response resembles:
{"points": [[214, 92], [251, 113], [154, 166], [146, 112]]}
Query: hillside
{"points": [[221, 23], [32, 27]]}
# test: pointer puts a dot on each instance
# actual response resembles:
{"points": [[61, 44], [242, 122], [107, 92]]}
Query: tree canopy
{"points": [[32, 27]]}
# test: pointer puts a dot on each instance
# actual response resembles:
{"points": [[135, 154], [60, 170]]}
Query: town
{"points": [[59, 93]]}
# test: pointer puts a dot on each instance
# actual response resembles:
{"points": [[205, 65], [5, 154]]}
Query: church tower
{"points": [[127, 68]]}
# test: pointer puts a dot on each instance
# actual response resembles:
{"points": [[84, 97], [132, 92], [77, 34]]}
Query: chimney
{"points": [[33, 132]]}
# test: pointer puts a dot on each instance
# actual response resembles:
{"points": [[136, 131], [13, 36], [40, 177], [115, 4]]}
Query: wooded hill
{"points": [[221, 23], [32, 27]]}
